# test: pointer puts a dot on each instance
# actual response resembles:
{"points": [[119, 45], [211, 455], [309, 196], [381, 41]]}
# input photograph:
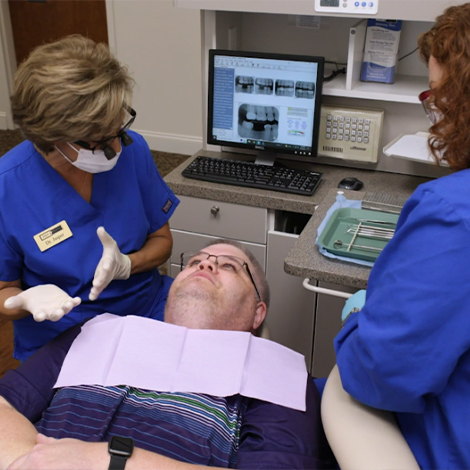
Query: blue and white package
{"points": [[380, 50]]}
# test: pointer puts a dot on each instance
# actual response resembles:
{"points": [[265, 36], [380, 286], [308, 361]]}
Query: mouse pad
{"points": [[358, 233]]}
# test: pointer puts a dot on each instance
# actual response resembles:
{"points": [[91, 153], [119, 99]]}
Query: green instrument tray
{"points": [[337, 227]]}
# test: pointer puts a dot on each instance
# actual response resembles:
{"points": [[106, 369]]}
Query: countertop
{"points": [[304, 260]]}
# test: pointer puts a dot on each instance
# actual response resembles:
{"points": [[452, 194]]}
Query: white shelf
{"points": [[414, 10], [412, 147], [405, 89]]}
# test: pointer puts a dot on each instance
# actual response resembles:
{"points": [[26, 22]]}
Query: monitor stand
{"points": [[265, 158]]}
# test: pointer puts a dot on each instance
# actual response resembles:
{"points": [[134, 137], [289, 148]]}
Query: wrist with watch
{"points": [[120, 449]]}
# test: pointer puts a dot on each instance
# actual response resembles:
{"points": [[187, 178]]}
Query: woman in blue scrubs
{"points": [[84, 212], [408, 348]]}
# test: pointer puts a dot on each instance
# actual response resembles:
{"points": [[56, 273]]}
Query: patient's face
{"points": [[204, 296]]}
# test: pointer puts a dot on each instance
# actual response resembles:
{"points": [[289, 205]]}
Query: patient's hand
{"points": [[63, 454]]}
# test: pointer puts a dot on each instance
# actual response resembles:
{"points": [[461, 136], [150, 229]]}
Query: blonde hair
{"points": [[68, 90]]}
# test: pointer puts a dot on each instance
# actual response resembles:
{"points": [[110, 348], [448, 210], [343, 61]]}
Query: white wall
{"points": [[162, 47]]}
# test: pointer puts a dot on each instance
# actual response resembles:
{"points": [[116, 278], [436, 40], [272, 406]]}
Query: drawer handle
{"points": [[215, 210], [324, 290]]}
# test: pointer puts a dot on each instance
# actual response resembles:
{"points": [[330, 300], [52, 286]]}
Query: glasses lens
{"points": [[189, 260], [224, 262], [102, 144], [433, 114], [229, 263], [423, 96], [127, 126], [130, 121]]}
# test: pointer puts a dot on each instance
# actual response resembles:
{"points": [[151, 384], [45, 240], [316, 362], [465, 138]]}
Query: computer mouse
{"points": [[351, 182]]}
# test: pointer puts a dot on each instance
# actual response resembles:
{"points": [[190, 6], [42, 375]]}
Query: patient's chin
{"points": [[192, 318], [191, 306]]}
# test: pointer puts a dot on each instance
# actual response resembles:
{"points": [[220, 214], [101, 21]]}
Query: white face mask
{"points": [[92, 162]]}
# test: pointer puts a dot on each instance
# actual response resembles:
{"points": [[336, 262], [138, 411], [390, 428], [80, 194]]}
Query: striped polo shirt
{"points": [[190, 427]]}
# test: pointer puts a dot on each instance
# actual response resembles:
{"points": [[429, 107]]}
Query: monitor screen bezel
{"points": [[320, 61]]}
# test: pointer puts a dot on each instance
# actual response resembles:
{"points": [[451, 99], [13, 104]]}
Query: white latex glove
{"points": [[46, 302], [113, 264]]}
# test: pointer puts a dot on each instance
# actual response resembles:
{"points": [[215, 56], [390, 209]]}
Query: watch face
{"points": [[121, 446]]}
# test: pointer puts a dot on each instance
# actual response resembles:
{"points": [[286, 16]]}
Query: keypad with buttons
{"points": [[350, 133]]}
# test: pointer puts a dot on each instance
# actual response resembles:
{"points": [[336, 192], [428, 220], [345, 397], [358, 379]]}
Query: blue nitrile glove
{"points": [[353, 304]]}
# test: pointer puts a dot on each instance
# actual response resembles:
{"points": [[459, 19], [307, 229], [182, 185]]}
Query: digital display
{"points": [[329, 3], [265, 101]]}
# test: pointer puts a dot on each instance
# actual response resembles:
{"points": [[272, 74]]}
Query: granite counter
{"points": [[304, 260]]}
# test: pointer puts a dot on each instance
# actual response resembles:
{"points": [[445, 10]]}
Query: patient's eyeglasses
{"points": [[224, 262], [433, 114]]}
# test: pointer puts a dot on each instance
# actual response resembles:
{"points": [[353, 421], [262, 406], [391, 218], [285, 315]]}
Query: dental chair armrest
{"points": [[362, 438]]}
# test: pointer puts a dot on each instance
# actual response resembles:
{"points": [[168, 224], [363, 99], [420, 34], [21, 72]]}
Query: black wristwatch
{"points": [[120, 449]]}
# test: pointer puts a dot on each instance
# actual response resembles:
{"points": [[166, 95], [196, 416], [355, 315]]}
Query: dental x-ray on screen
{"points": [[265, 102]]}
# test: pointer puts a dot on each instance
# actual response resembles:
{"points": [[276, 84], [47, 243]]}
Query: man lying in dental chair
{"points": [[130, 392]]}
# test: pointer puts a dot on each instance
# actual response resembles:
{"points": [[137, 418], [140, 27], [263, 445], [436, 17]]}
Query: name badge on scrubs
{"points": [[53, 236]]}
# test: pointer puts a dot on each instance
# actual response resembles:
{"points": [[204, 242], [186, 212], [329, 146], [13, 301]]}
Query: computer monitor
{"points": [[264, 102]]}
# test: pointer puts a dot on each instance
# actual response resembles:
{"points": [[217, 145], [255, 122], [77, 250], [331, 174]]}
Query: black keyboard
{"points": [[253, 175]]}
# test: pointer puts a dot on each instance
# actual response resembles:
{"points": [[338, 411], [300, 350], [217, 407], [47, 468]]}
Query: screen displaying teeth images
{"points": [[265, 101], [244, 84], [258, 122]]}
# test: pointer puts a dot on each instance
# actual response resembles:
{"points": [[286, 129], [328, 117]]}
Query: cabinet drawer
{"points": [[221, 219], [193, 242]]}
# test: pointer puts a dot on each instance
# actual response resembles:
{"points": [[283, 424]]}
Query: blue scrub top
{"points": [[131, 201], [408, 349]]}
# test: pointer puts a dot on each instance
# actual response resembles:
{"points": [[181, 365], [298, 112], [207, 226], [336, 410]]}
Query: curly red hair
{"points": [[448, 41]]}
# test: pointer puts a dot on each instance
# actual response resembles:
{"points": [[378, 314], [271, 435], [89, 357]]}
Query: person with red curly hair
{"points": [[406, 349]]}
